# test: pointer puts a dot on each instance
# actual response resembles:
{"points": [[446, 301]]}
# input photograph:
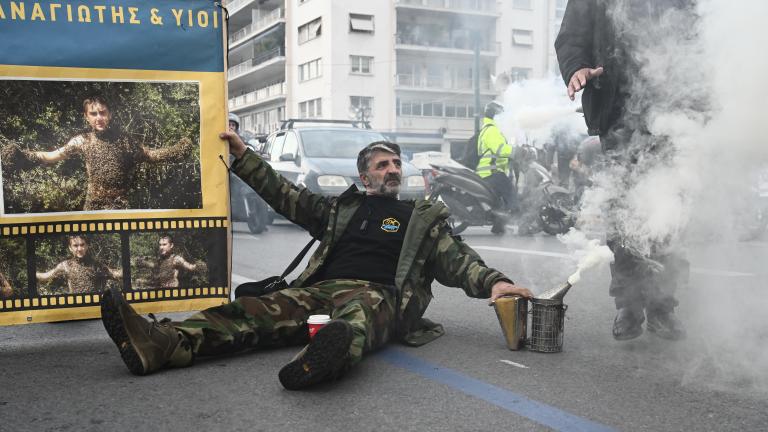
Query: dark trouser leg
{"points": [[638, 283], [564, 156], [504, 188], [370, 310], [363, 314], [277, 319]]}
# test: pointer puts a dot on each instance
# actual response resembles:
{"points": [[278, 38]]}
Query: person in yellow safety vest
{"points": [[495, 160]]}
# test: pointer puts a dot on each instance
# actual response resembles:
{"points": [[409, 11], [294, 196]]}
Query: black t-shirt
{"points": [[370, 246]]}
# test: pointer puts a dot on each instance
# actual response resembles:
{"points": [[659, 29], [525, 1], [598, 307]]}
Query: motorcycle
{"points": [[550, 208]]}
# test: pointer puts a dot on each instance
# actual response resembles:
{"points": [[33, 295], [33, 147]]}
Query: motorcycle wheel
{"points": [[257, 216], [552, 219], [457, 225]]}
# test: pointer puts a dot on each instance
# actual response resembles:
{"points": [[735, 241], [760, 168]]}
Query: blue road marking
{"points": [[536, 411]]}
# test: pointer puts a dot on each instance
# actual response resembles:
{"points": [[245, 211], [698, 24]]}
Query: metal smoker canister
{"points": [[547, 322], [512, 312]]}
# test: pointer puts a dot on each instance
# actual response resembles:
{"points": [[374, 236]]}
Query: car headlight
{"points": [[332, 181], [414, 181]]}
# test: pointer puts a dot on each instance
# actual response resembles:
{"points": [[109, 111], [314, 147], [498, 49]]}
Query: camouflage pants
{"points": [[280, 318]]}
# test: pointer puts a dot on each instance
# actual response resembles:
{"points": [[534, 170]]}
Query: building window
{"points": [[361, 64], [432, 109], [312, 108], [310, 30], [361, 23], [522, 37], [522, 4], [362, 106], [310, 70], [416, 108], [519, 74]]}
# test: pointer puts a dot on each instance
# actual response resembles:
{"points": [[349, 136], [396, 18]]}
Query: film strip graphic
{"points": [[126, 242], [82, 300], [111, 226]]}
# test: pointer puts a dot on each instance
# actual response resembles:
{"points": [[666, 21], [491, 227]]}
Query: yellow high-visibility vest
{"points": [[494, 150]]}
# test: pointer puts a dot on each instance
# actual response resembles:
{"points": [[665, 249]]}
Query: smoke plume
{"points": [[535, 109]]}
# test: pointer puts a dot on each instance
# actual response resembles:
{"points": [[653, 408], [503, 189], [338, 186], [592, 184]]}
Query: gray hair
{"points": [[364, 157]]}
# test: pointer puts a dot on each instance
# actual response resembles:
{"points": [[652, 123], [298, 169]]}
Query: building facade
{"points": [[407, 66]]}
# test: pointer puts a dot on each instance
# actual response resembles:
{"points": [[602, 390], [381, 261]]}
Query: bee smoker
{"points": [[547, 320], [512, 312]]}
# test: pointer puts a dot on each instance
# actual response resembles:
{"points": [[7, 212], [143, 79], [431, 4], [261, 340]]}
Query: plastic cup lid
{"points": [[318, 319]]}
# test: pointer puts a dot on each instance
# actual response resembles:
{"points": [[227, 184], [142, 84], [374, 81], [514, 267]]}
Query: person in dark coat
{"points": [[597, 53]]}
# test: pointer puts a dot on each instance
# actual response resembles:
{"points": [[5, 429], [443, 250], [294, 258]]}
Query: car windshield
{"points": [[337, 143]]}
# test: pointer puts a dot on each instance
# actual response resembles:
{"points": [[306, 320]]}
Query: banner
{"points": [[110, 158]]}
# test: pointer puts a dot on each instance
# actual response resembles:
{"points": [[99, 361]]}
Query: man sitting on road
{"points": [[372, 273]]}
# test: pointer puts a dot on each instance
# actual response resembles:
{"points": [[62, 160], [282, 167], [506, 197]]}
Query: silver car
{"points": [[323, 157]]}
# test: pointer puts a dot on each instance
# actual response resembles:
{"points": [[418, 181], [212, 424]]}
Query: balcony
{"points": [[440, 83], [235, 6], [456, 45], [474, 7], [256, 27], [255, 63], [256, 97]]}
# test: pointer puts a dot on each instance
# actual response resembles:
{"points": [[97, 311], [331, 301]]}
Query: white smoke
{"points": [[588, 252], [534, 109]]}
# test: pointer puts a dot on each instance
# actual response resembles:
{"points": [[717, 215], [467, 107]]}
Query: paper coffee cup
{"points": [[316, 322]]}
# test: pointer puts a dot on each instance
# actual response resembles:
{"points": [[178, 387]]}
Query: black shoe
{"points": [[145, 346], [323, 359], [665, 325], [628, 324]]}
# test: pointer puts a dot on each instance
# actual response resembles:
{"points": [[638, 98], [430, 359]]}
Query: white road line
{"points": [[525, 252], [724, 273], [510, 362], [695, 270]]}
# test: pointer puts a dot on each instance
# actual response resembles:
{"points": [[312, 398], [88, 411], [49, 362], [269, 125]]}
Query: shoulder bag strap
{"points": [[297, 260]]}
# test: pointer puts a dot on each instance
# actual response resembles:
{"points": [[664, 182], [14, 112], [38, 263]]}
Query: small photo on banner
{"points": [[71, 146], [13, 268], [78, 263], [170, 259]]}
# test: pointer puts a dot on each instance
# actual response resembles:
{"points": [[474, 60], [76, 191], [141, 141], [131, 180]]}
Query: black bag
{"points": [[471, 157], [271, 284]]}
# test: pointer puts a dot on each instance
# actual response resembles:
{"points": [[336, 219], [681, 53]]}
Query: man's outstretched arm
{"points": [[297, 204], [28, 158], [458, 265], [175, 152], [54, 273], [180, 263]]}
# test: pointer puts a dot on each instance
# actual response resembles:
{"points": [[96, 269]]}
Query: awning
{"points": [[361, 23]]}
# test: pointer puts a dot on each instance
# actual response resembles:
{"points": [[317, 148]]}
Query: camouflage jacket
{"points": [[429, 250]]}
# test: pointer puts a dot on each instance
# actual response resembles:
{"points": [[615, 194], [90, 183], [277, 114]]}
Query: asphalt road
{"points": [[69, 376]]}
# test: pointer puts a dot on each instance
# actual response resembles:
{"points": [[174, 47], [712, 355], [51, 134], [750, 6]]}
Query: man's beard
{"points": [[383, 189]]}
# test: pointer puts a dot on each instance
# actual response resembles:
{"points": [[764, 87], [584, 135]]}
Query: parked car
{"points": [[322, 155]]}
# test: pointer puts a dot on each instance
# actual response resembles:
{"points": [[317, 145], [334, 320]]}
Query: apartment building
{"points": [[407, 66]]}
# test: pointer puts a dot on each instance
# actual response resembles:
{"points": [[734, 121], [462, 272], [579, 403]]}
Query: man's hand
{"points": [[236, 145], [502, 288], [579, 80]]}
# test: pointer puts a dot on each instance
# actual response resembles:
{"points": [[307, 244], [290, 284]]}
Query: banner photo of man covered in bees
{"points": [[109, 157]]}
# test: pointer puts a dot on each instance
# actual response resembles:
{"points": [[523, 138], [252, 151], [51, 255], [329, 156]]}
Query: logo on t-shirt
{"points": [[390, 225]]}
